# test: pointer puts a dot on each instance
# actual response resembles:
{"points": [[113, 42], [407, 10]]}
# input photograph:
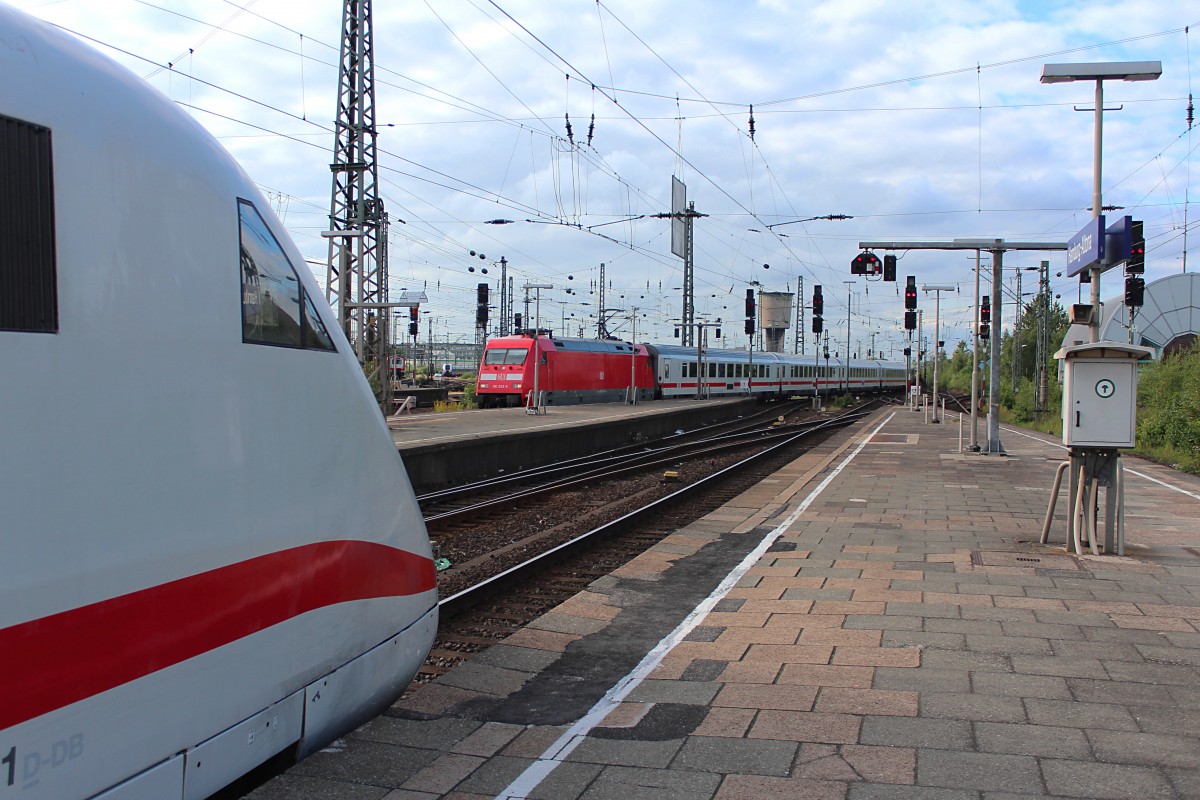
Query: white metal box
{"points": [[1099, 403], [1100, 394]]}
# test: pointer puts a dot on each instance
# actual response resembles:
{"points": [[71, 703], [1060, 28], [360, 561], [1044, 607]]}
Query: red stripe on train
{"points": [[57, 660]]}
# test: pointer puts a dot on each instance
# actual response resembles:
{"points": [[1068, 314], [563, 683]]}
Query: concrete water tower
{"points": [[774, 318]]}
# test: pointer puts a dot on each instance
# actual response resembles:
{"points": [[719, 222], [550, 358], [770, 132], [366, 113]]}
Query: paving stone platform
{"points": [[875, 621]]}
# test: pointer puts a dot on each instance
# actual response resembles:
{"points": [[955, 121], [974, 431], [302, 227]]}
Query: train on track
{"points": [[567, 371], [210, 560]]}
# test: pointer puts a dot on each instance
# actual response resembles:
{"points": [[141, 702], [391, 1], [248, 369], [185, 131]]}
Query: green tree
{"points": [[1168, 426]]}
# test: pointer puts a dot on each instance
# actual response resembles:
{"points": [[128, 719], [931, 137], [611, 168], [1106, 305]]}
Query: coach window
{"points": [[275, 307], [28, 279]]}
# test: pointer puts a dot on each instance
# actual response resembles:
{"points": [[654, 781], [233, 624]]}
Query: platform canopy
{"points": [[1169, 321]]}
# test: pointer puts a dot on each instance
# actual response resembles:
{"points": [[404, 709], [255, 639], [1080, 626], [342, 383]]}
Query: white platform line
{"points": [[1150, 478], [554, 755]]}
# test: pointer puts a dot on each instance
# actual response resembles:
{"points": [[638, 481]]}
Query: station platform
{"points": [[876, 620], [488, 442]]}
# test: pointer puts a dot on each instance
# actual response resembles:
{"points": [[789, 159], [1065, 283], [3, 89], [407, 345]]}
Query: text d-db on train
{"points": [[209, 561], [570, 371]]}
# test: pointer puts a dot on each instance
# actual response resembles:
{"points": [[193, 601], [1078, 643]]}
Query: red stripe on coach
{"points": [[57, 660]]}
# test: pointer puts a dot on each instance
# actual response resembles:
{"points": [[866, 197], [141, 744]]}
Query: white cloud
{"points": [[869, 136]]}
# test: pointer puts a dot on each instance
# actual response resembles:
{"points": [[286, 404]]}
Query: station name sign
{"points": [[1086, 248]]}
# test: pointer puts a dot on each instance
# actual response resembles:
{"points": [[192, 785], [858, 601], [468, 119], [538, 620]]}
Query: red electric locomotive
{"points": [[568, 371]]}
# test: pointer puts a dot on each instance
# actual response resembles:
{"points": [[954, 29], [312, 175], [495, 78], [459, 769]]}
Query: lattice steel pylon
{"points": [[356, 268]]}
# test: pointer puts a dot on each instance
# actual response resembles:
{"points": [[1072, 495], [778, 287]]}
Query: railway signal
{"points": [[889, 268], [866, 263], [750, 312], [910, 292], [1135, 291], [1136, 264], [413, 316], [481, 305], [910, 320]]}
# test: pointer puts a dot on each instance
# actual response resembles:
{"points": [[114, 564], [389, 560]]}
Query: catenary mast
{"points": [[356, 272]]}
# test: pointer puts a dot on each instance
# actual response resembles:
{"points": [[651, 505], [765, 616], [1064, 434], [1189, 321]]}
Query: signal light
{"points": [[749, 305], [750, 327], [907, 352], [517, 321], [889, 268], [985, 331], [818, 302], [718, 332], [818, 323], [413, 311], [1136, 264], [910, 320], [910, 293], [412, 329], [866, 263], [481, 305], [985, 310], [1135, 291]]}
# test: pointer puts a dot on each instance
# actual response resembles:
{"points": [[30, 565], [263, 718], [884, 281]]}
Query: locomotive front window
{"points": [[504, 355], [275, 307]]}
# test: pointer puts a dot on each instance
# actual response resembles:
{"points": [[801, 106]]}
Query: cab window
{"points": [[504, 355], [276, 309]]}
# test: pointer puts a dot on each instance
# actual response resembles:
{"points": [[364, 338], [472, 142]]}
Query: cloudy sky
{"points": [[923, 120]]}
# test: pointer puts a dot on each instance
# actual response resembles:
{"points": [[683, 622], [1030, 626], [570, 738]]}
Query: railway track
{"points": [[536, 576], [456, 502]]}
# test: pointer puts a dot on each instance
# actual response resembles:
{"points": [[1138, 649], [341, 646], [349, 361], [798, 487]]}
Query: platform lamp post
{"points": [[535, 406], [849, 298], [1099, 72], [937, 289]]}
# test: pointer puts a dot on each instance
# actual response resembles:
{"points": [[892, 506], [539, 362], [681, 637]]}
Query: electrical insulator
{"points": [[910, 292], [818, 302], [985, 310], [1136, 264]]}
